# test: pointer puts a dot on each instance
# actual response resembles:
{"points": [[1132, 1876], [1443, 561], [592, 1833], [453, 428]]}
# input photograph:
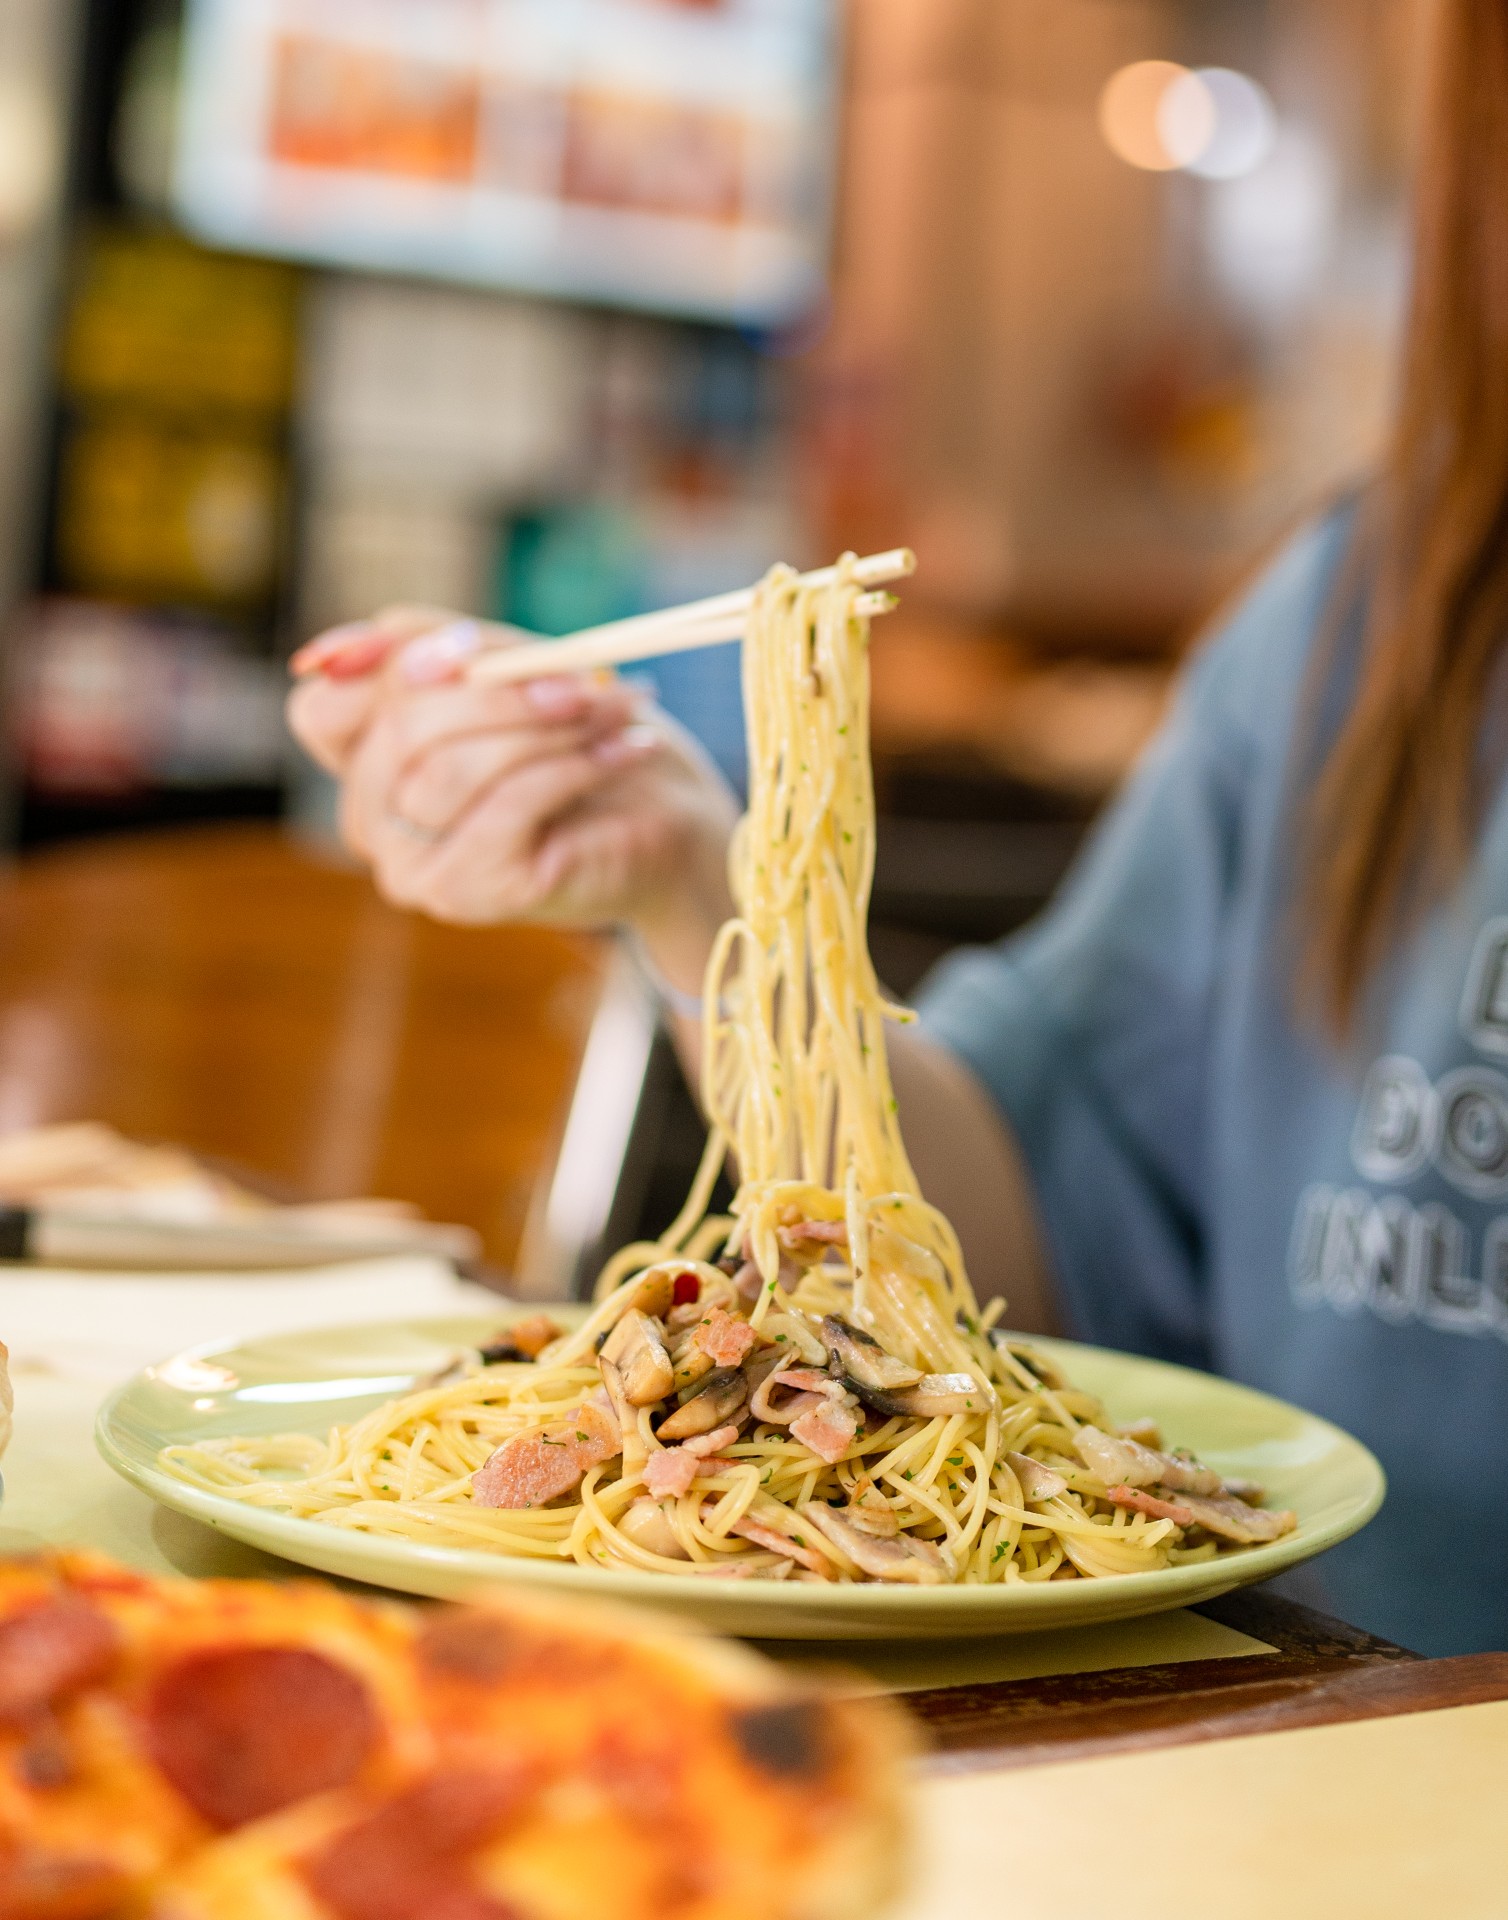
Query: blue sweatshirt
{"points": [[1221, 1186]]}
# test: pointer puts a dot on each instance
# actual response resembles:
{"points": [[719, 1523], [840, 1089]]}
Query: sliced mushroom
{"points": [[864, 1362], [721, 1395], [654, 1295], [690, 1363], [880, 1521], [648, 1525], [1126, 1463], [634, 1449], [903, 1559], [636, 1349], [1038, 1482], [870, 1511], [935, 1396]]}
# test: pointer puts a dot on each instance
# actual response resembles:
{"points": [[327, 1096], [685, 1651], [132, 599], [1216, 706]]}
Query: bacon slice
{"points": [[775, 1541], [532, 1469], [724, 1338], [804, 1383], [50, 1651], [669, 1473], [244, 1731], [1138, 1500], [704, 1445], [407, 1861], [828, 1429]]}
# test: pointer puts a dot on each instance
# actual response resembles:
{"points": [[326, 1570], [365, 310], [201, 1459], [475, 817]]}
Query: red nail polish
{"points": [[351, 662]]}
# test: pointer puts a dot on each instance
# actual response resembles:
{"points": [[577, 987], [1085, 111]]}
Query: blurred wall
{"points": [[1099, 391]]}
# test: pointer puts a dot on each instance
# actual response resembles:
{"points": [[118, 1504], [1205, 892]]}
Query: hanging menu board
{"points": [[668, 154]]}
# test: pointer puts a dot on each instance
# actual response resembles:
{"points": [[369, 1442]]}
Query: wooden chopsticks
{"points": [[646, 636]]}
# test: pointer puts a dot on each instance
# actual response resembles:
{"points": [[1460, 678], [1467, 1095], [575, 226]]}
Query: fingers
{"points": [[339, 687], [448, 780], [487, 868], [429, 754], [329, 718], [445, 653], [415, 724]]}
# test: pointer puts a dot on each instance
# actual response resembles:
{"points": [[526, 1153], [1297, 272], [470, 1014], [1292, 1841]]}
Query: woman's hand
{"points": [[568, 800]]}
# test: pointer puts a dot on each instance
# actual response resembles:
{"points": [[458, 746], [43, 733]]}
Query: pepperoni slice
{"points": [[243, 1731], [50, 1651], [407, 1860]]}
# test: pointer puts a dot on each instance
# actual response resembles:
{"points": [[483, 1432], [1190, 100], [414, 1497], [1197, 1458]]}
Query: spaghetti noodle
{"points": [[807, 1389]]}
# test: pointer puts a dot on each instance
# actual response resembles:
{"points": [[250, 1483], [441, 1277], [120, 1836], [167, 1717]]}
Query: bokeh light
{"points": [[28, 156], [1162, 117], [1130, 114], [1233, 113]]}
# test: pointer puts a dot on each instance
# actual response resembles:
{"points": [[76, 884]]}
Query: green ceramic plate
{"points": [[311, 1381]]}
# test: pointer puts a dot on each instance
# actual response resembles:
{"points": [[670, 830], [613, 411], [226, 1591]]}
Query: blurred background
{"points": [[561, 309]]}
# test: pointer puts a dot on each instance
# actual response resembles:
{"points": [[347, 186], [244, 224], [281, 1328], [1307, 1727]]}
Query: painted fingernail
{"points": [[357, 657], [556, 697], [327, 646], [623, 749], [436, 656]]}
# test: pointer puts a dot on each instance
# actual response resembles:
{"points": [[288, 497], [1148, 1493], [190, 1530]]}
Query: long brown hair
{"points": [[1398, 803]]}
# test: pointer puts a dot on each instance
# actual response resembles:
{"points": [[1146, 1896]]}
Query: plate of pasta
{"points": [[794, 1419], [204, 1431]]}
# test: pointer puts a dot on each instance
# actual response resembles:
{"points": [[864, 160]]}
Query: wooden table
{"points": [[1319, 1672], [237, 994]]}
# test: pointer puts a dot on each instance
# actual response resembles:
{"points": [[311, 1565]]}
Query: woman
{"points": [[1241, 1097]]}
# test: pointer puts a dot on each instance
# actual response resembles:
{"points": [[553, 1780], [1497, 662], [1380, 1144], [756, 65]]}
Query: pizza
{"points": [[239, 1750]]}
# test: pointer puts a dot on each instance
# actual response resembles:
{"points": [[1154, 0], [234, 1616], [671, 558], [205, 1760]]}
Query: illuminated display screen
{"points": [[670, 154]]}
